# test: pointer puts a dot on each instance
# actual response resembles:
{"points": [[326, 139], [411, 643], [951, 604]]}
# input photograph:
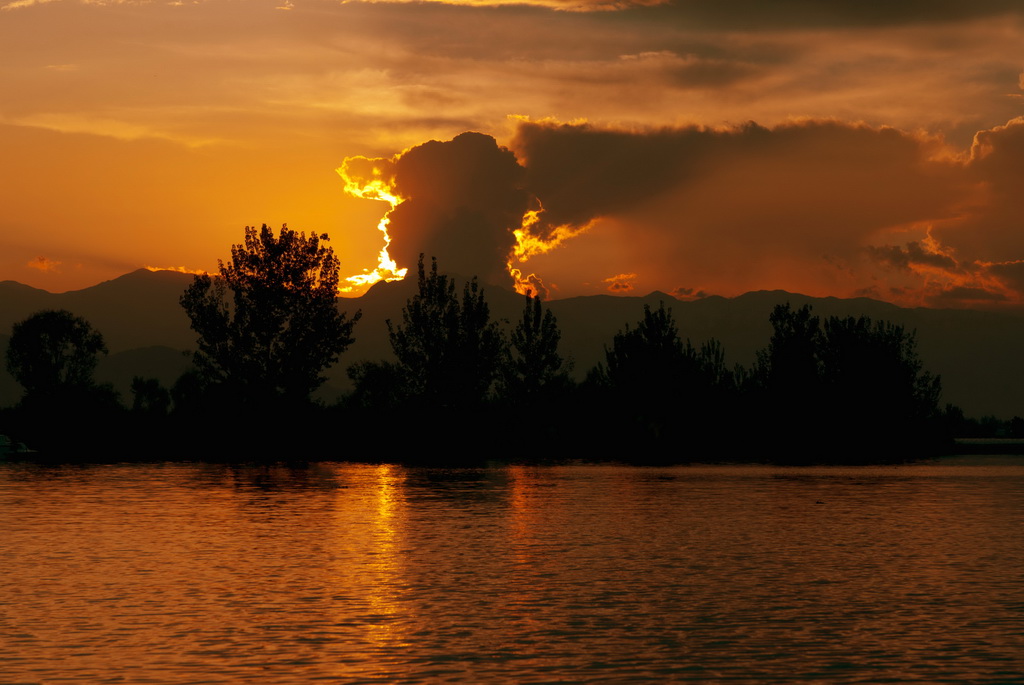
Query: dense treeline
{"points": [[461, 387]]}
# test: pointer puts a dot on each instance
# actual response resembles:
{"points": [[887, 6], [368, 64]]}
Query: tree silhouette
{"points": [[53, 351], [790, 366], [378, 385], [849, 383], [667, 385], [53, 355], [532, 365], [448, 350], [149, 397], [280, 328], [647, 360], [871, 373], [651, 360]]}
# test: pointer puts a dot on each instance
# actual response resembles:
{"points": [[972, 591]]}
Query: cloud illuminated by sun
{"points": [[367, 179], [178, 269], [620, 283], [563, 5], [17, 4], [44, 264]]}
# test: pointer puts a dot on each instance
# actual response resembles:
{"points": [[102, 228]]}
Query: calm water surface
{"points": [[187, 573]]}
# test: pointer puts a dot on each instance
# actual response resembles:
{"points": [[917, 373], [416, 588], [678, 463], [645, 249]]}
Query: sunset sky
{"points": [[831, 148]]}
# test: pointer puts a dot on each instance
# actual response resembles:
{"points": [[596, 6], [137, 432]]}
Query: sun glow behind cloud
{"points": [[374, 185], [462, 201], [156, 134]]}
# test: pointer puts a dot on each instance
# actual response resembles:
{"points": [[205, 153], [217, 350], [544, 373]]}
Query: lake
{"points": [[353, 573]]}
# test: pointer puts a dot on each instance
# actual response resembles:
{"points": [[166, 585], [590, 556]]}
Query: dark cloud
{"points": [[1009, 273], [809, 206], [463, 199], [990, 230], [910, 255], [711, 73], [780, 14], [851, 173], [756, 14], [743, 204], [580, 172], [688, 293]]}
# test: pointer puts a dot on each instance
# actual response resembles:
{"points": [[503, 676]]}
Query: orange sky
{"points": [[829, 148]]}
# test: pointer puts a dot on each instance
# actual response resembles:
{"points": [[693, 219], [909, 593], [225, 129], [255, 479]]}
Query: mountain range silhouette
{"points": [[978, 354]]}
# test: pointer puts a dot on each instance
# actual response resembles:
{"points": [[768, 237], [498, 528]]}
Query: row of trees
{"points": [[450, 355], [269, 326]]}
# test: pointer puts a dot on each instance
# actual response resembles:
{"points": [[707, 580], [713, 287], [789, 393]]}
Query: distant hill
{"points": [[977, 353], [139, 309]]}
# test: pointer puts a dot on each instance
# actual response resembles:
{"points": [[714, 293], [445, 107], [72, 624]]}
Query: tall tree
{"points": [[791, 365], [533, 366], [448, 350], [648, 359], [53, 350], [280, 327]]}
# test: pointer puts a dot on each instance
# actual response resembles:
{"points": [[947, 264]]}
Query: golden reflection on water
{"points": [[522, 514], [356, 573], [523, 524], [365, 541], [385, 566]]}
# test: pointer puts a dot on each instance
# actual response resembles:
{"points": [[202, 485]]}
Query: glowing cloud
{"points": [[564, 5], [373, 179], [44, 264], [178, 269], [620, 283], [813, 206], [461, 200], [18, 4]]}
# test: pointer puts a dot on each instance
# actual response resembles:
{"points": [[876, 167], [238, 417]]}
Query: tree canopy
{"points": [[848, 361], [850, 378], [533, 365], [664, 383], [652, 362], [647, 358], [871, 370], [280, 327], [53, 350], [448, 349]]}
